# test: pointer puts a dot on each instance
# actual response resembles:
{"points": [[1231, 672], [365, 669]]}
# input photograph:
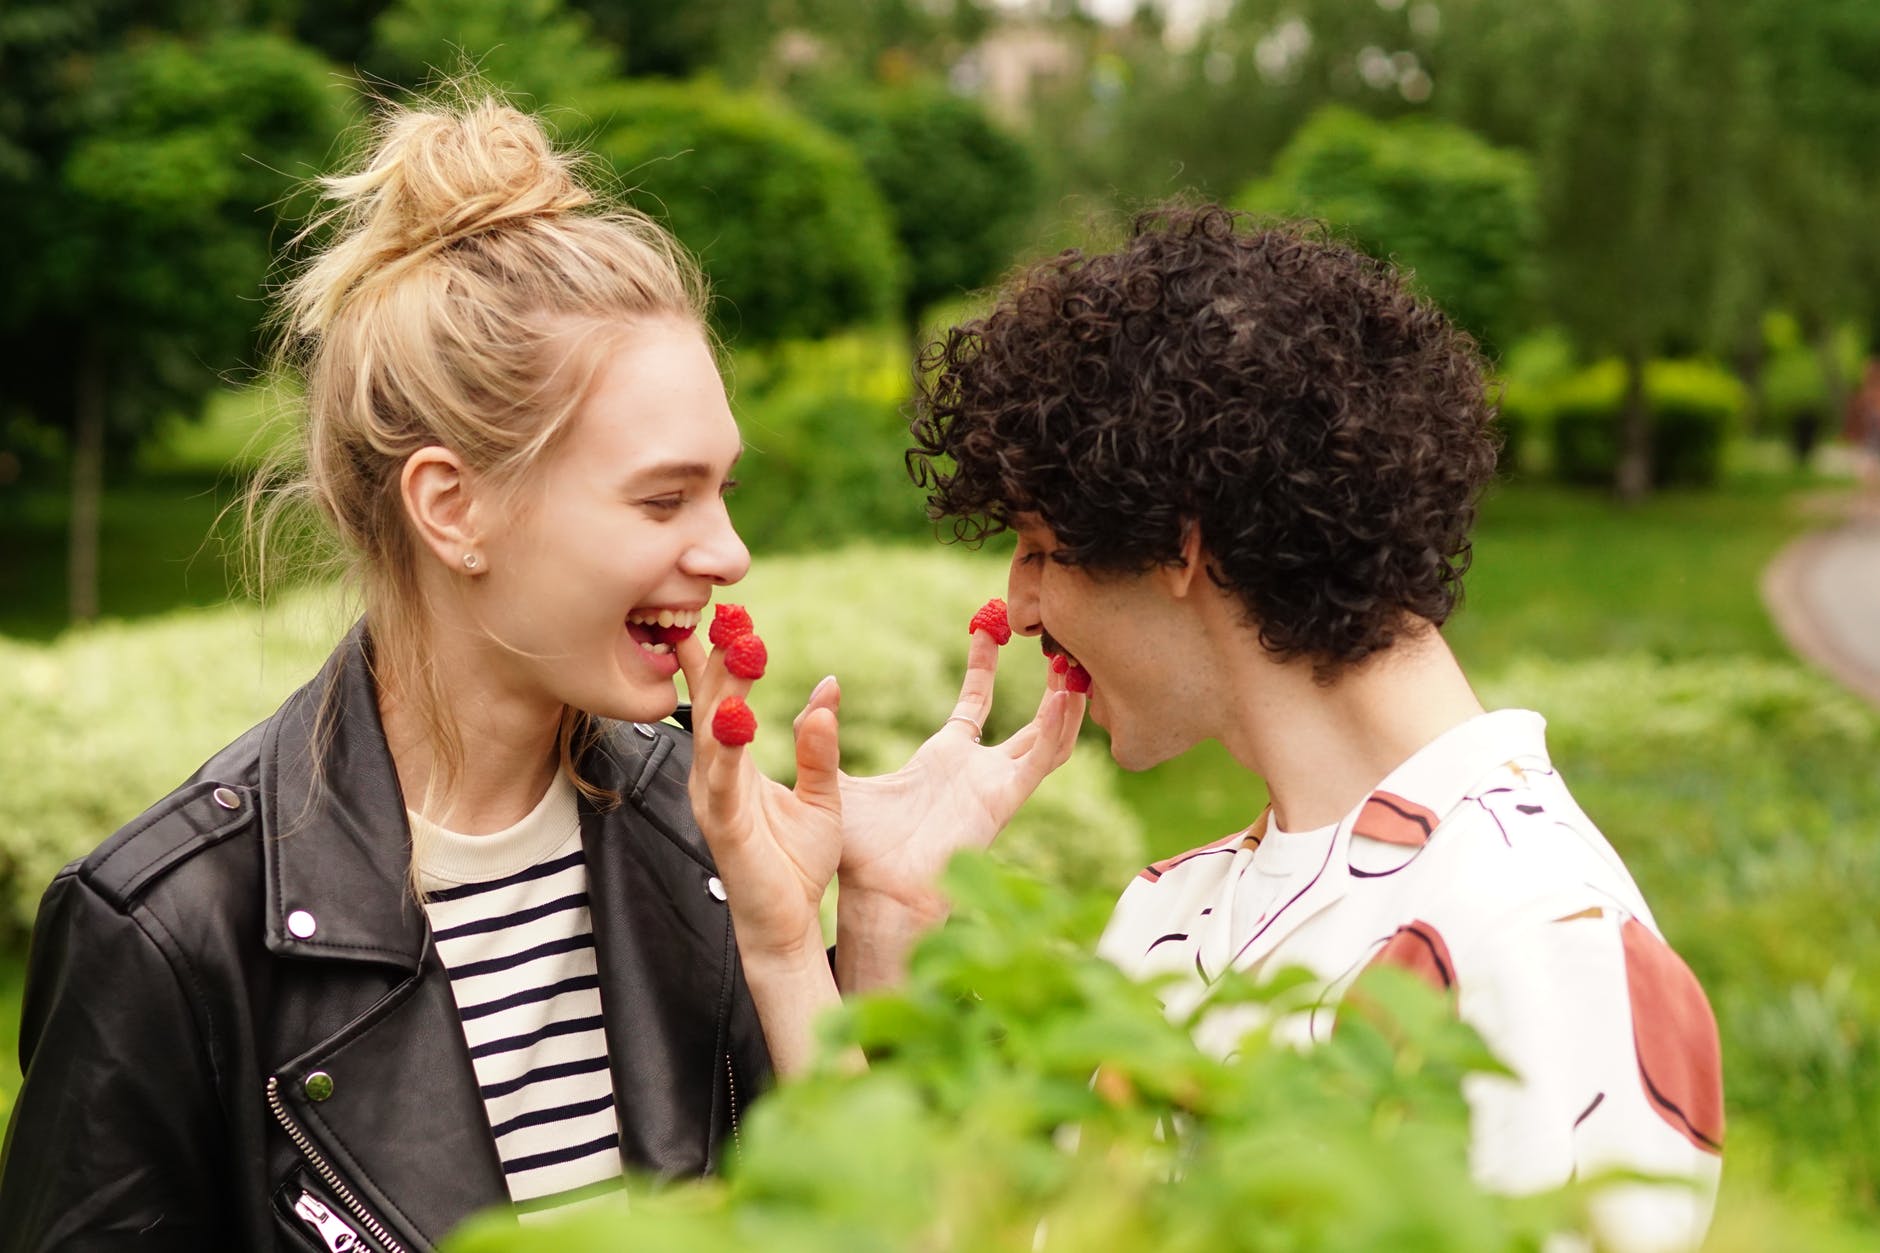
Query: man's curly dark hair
{"points": [[1327, 430]]}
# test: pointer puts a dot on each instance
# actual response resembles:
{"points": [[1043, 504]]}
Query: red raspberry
{"points": [[1077, 679], [745, 657], [1059, 663], [734, 723], [992, 620], [729, 622]]}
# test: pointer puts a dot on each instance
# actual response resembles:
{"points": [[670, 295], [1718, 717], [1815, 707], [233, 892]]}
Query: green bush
{"points": [[960, 188], [1432, 197], [1740, 792], [978, 1125], [539, 49], [825, 428], [1694, 406], [789, 226], [101, 722]]}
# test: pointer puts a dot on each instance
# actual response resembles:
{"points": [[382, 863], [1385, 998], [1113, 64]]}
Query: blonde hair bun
{"points": [[436, 175]]}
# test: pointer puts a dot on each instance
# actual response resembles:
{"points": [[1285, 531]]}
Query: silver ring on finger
{"points": [[977, 729]]}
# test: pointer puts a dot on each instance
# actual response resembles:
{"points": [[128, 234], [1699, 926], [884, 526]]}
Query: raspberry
{"points": [[992, 620], [734, 723], [729, 622], [1059, 663], [1077, 679], [745, 657]]}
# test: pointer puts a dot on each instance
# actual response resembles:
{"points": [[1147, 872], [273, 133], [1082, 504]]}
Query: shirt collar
{"points": [[1416, 796]]}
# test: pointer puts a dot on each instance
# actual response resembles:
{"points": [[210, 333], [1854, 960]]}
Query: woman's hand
{"points": [[899, 830], [776, 850]]}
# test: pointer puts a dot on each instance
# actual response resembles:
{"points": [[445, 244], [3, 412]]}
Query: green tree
{"points": [[1429, 195], [791, 230], [961, 189], [148, 219]]}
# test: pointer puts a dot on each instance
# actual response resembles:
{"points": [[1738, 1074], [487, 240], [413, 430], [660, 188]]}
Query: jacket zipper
{"points": [[335, 1233], [731, 1082], [327, 1174]]}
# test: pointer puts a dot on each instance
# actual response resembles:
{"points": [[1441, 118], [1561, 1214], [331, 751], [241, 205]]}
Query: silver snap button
{"points": [[319, 1086], [716, 887], [645, 730], [226, 798], [301, 923]]}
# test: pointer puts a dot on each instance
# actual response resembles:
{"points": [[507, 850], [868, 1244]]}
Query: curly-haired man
{"points": [[1242, 466]]}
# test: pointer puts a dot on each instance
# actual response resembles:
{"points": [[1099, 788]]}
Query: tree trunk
{"points": [[1751, 358], [1833, 383], [90, 400], [1634, 480]]}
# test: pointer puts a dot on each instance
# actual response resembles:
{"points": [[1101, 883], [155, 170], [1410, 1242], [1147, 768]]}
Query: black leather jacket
{"points": [[237, 1033]]}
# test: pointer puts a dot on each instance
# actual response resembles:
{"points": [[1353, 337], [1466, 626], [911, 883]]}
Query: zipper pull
{"points": [[338, 1236]]}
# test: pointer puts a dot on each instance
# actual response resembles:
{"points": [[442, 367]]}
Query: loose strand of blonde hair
{"points": [[462, 278]]}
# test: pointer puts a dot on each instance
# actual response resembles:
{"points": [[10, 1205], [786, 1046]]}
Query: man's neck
{"points": [[1323, 749]]}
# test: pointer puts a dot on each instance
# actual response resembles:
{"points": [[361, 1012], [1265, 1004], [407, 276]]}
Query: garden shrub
{"points": [[978, 1125], [792, 231], [1740, 792], [99, 724], [825, 428], [1430, 196], [960, 188], [1694, 406]]}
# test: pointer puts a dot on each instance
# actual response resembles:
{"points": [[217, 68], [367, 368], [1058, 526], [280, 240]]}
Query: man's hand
{"points": [[899, 830]]}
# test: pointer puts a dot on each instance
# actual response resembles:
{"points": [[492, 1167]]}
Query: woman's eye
{"points": [[664, 504], [730, 486]]}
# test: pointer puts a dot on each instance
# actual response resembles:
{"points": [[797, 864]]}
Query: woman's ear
{"points": [[436, 489]]}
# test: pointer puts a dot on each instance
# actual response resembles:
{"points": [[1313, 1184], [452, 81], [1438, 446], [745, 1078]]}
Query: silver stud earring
{"points": [[470, 561]]}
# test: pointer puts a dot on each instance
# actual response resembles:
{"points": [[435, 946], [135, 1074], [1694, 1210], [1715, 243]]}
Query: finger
{"points": [[818, 760], [825, 695], [724, 782], [1058, 725], [691, 654], [982, 663]]}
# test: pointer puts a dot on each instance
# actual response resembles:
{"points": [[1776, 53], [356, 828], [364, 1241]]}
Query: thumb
{"points": [[818, 760]]}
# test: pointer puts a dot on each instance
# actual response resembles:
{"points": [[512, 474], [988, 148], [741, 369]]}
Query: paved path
{"points": [[1824, 593]]}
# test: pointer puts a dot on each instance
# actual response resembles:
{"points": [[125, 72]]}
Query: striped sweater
{"points": [[509, 916]]}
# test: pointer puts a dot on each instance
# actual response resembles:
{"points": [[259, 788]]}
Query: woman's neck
{"points": [[509, 746]]}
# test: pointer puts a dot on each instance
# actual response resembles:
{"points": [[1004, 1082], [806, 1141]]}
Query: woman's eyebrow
{"points": [[680, 471]]}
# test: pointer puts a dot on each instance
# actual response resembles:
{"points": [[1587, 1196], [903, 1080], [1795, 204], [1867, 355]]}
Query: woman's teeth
{"points": [[665, 617]]}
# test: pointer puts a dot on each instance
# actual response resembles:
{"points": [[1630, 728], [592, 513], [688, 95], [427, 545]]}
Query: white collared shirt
{"points": [[1471, 865]]}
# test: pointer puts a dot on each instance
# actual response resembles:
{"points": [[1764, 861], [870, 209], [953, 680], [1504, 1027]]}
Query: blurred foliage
{"points": [[537, 50], [77, 759], [824, 431], [961, 188], [979, 1124], [796, 238], [1694, 407], [1426, 195], [1740, 792], [141, 242]]}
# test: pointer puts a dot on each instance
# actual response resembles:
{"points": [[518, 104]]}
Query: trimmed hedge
{"points": [[99, 724], [794, 234], [1694, 408]]}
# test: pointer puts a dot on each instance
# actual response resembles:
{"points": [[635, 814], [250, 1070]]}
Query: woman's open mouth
{"points": [[658, 631]]}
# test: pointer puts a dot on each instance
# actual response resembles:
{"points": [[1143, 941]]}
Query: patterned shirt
{"points": [[1471, 866], [509, 916]]}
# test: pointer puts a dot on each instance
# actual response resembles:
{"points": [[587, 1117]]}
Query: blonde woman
{"points": [[443, 932]]}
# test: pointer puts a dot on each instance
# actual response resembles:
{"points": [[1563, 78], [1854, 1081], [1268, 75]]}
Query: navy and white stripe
{"points": [[518, 942]]}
